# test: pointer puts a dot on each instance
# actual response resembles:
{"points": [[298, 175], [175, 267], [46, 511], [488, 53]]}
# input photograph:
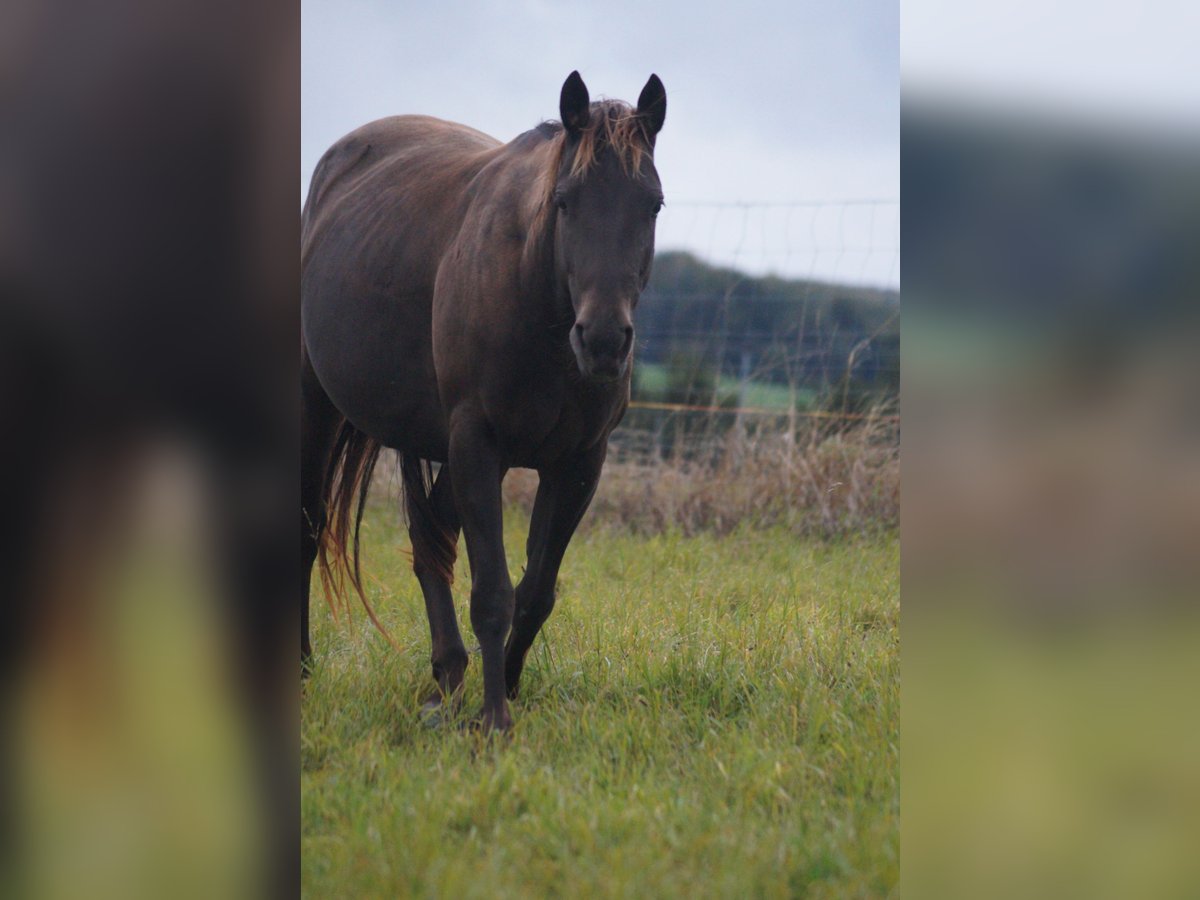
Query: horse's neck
{"points": [[538, 266], [541, 293]]}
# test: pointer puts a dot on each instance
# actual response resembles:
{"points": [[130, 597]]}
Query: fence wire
{"points": [[837, 241], [765, 318]]}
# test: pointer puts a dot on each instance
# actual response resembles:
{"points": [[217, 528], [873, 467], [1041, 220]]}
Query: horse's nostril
{"points": [[579, 329], [627, 344]]}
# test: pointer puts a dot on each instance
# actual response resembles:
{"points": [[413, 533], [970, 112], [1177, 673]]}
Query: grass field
{"points": [[701, 716], [653, 380]]}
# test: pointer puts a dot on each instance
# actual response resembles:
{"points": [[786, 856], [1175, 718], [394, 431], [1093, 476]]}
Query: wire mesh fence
{"points": [[778, 319], [848, 241]]}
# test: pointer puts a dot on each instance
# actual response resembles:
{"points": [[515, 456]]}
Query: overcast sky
{"points": [[773, 102], [1107, 60]]}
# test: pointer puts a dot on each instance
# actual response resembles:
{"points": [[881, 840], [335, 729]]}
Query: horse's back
{"points": [[384, 204], [384, 163]]}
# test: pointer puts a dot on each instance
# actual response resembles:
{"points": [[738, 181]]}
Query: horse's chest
{"points": [[554, 431]]}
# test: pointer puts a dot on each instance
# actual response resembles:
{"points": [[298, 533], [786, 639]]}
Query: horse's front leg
{"points": [[478, 472], [562, 498]]}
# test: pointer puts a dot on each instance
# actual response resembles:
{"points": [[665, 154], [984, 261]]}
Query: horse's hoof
{"points": [[433, 714], [489, 723]]}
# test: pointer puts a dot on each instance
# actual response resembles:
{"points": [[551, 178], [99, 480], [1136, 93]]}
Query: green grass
{"points": [[653, 381], [700, 717]]}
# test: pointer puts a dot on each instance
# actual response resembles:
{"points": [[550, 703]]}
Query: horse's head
{"points": [[607, 195]]}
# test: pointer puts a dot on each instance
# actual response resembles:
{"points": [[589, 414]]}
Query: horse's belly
{"points": [[419, 431], [401, 413], [381, 378]]}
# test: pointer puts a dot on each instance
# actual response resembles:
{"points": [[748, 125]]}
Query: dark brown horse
{"points": [[470, 303]]}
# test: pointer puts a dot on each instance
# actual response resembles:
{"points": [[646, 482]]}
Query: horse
{"points": [[469, 304]]}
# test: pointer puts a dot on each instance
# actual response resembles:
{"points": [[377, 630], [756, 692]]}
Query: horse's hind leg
{"points": [[319, 422], [562, 499], [449, 656]]}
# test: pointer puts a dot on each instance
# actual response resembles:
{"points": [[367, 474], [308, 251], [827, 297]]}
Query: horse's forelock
{"points": [[615, 125]]}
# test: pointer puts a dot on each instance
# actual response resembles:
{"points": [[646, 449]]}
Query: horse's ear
{"points": [[652, 105], [573, 104]]}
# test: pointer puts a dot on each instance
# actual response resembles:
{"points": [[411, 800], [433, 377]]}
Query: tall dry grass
{"points": [[812, 481]]}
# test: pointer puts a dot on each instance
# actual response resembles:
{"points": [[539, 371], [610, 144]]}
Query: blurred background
{"points": [[148, 230], [1051, 466]]}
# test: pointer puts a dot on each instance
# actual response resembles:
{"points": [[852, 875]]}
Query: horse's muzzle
{"points": [[602, 352]]}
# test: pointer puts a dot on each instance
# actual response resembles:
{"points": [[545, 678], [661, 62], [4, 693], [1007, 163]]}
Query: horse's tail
{"points": [[347, 482], [351, 468]]}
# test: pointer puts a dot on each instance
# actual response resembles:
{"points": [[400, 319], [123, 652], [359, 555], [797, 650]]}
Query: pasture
{"points": [[702, 716]]}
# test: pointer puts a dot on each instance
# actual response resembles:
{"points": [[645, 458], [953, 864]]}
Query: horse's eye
{"points": [[658, 205], [561, 203]]}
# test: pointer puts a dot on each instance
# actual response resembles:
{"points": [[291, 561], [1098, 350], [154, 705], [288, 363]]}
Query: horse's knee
{"points": [[492, 608]]}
